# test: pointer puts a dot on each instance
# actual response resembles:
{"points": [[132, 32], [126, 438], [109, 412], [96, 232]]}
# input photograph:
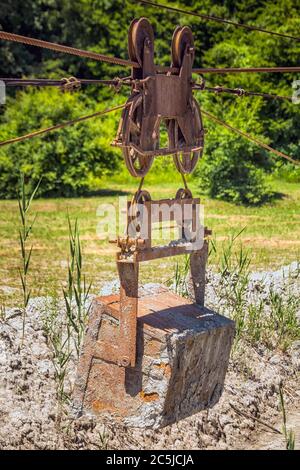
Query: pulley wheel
{"points": [[184, 193], [136, 212], [185, 162], [132, 119], [139, 31], [182, 40]]}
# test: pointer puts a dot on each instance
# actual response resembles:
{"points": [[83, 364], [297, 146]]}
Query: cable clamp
{"points": [[240, 91], [218, 89], [201, 85], [70, 84]]}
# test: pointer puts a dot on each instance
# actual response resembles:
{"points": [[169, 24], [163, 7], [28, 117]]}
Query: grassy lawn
{"points": [[272, 233]]}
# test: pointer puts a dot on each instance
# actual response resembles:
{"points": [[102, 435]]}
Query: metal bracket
{"points": [[136, 247]]}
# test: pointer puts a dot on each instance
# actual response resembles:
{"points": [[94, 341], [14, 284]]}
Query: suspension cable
{"points": [[45, 82], [60, 126], [248, 70], [66, 49], [217, 19], [252, 139], [240, 92], [128, 63]]}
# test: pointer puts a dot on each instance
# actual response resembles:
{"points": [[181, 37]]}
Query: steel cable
{"points": [[240, 92], [66, 49], [217, 19], [128, 63], [44, 82], [59, 126], [247, 70], [252, 139]]}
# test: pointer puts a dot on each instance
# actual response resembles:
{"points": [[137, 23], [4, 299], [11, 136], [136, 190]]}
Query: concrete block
{"points": [[182, 357]]}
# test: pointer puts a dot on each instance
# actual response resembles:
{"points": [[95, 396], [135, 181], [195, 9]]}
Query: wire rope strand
{"points": [[252, 139], [59, 126], [66, 49], [217, 19]]}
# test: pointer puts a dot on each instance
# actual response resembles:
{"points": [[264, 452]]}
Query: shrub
{"points": [[228, 173], [67, 159], [233, 168]]}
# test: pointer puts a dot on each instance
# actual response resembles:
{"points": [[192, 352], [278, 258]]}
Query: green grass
{"points": [[272, 233]]}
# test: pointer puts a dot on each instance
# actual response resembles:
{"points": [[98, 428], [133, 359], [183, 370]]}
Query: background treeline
{"points": [[72, 159]]}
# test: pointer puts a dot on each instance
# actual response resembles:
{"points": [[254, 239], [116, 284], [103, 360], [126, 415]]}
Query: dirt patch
{"points": [[269, 441], [31, 417]]}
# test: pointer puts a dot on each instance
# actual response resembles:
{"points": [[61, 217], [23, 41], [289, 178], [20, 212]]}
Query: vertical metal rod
{"points": [[129, 273], [198, 262]]}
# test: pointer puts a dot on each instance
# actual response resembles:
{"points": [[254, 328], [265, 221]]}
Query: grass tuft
{"points": [[77, 291], [25, 230], [288, 433]]}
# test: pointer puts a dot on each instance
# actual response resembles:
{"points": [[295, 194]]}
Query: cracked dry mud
{"points": [[32, 418]]}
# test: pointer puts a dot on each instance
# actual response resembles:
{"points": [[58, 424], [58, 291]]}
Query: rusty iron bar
{"points": [[162, 152]]}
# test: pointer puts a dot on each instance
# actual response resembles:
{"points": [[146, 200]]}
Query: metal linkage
{"points": [[137, 246], [217, 19]]}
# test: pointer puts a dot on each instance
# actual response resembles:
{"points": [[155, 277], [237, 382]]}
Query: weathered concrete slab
{"points": [[182, 357]]}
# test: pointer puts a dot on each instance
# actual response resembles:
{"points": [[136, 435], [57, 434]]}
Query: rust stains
{"points": [[147, 397], [165, 367]]}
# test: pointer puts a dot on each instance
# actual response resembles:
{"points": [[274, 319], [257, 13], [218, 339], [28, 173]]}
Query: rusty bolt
{"points": [[147, 43], [124, 361]]}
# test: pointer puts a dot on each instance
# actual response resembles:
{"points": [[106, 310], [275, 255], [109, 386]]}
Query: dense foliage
{"points": [[67, 160], [232, 168]]}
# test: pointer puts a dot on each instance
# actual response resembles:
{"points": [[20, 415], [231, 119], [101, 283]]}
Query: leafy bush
{"points": [[233, 168], [288, 172], [67, 159], [228, 173]]}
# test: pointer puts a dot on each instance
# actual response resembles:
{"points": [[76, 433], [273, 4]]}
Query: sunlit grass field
{"points": [[272, 233]]}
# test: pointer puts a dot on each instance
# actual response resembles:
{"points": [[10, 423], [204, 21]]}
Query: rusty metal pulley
{"points": [[160, 98], [182, 40], [137, 163], [140, 31], [182, 135], [184, 193]]}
